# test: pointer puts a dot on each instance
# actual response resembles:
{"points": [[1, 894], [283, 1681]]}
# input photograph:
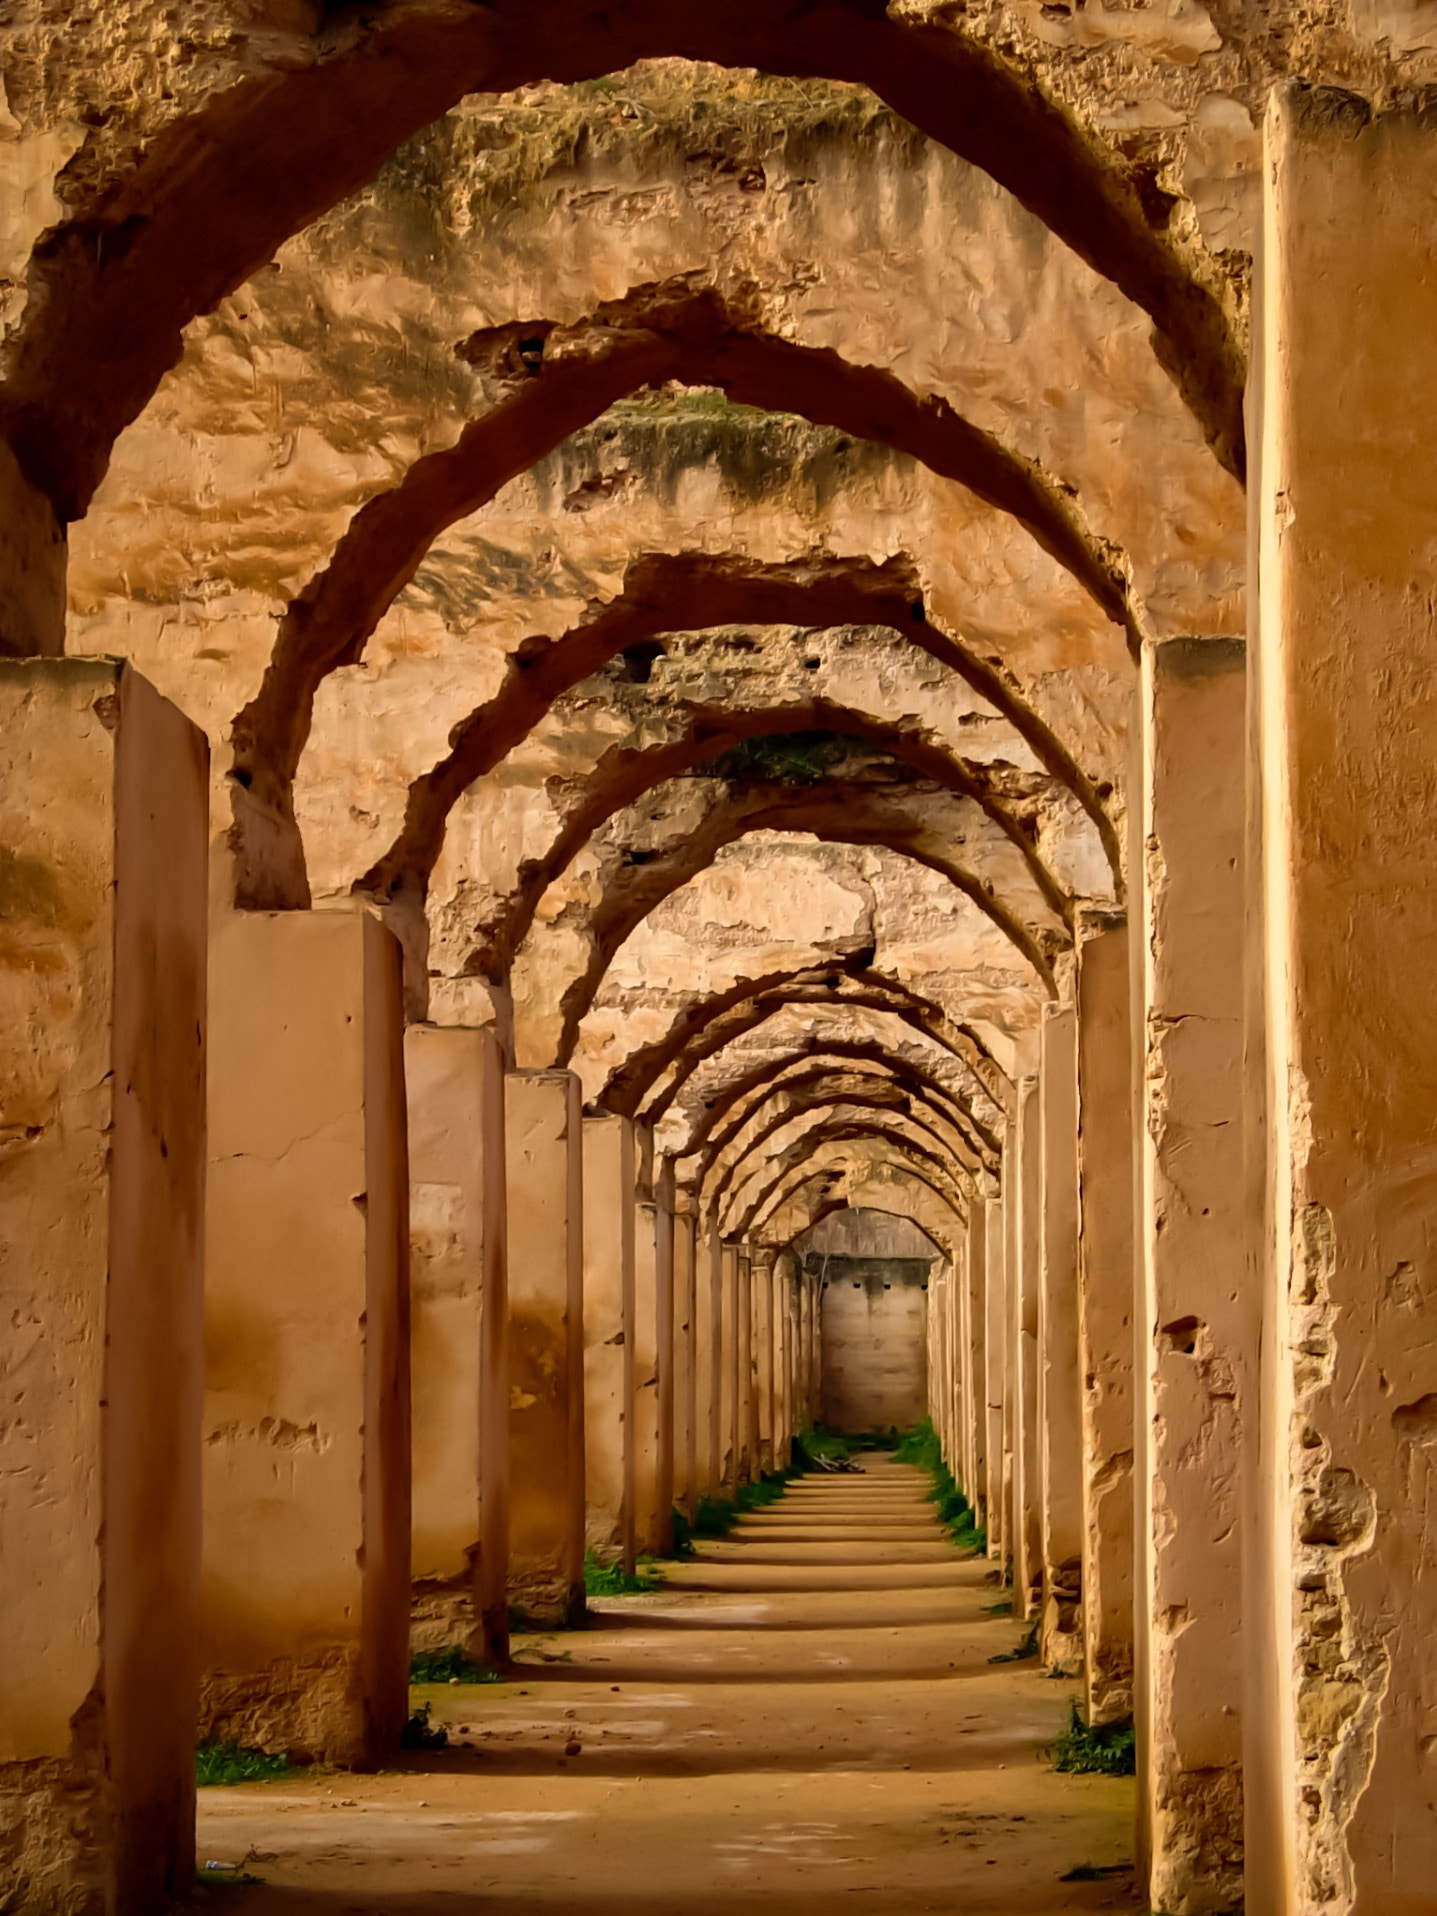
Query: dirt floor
{"points": [[805, 1718]]}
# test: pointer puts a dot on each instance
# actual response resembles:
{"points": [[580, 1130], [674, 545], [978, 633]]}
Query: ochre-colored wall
{"points": [[875, 1355]]}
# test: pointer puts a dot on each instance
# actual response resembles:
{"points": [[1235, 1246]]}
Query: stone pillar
{"points": [[643, 1411], [454, 1081], [746, 1420], [975, 1423], [306, 1591], [1024, 1363], [707, 1337], [609, 1173], [1059, 1388], [668, 1311], [761, 1280], [545, 1179], [1190, 1253], [1012, 1292], [730, 1436], [104, 818], [994, 1371], [783, 1367], [1105, 1311], [688, 1400], [1340, 1783]]}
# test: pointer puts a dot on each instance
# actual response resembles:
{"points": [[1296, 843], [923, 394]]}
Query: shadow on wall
{"points": [[873, 1271]]}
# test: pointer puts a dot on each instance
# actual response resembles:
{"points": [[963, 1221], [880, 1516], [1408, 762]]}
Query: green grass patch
{"points": [[217, 1763], [449, 1665], [612, 1580], [922, 1448], [1109, 1749], [716, 1516]]}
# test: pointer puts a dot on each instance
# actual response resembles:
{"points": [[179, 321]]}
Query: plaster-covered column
{"points": [[458, 1364], [1024, 1360], [643, 1412], [1106, 1127], [1190, 1251], [783, 1364], [104, 817], [761, 1266], [1012, 1391], [975, 1425], [687, 1407], [707, 1337], [746, 1406], [545, 1178], [994, 1372], [1342, 1750], [729, 1403], [1059, 1389], [609, 1174], [669, 1355], [305, 1593]]}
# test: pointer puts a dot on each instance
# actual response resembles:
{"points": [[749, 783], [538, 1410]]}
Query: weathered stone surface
{"points": [[305, 1592], [102, 1118]]}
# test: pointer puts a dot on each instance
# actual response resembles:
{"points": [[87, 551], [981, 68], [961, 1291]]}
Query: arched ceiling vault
{"points": [[624, 774], [676, 331], [841, 814], [886, 1145], [759, 1076], [712, 1024], [730, 1186], [209, 196], [904, 1194], [894, 1087], [843, 1122], [679, 592]]}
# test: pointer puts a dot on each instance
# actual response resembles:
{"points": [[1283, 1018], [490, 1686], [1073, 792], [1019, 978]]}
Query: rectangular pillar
{"points": [[707, 1337], [994, 1370], [748, 1366], [1106, 1127], [545, 1181], [1060, 1396], [783, 1369], [1024, 1358], [306, 1589], [687, 1408], [1190, 1253], [609, 1183], [975, 1428], [454, 1083], [761, 1282], [1343, 1739], [730, 1437], [644, 1387], [104, 819]]}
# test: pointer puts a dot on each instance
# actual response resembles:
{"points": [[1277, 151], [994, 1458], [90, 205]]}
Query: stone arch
{"points": [[712, 1024], [892, 1080], [624, 774], [985, 1140], [736, 1178], [831, 818], [219, 189], [663, 592], [935, 1173], [919, 1212]]}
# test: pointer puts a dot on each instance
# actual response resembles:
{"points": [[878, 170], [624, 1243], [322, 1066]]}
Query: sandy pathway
{"points": [[805, 1718]]}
